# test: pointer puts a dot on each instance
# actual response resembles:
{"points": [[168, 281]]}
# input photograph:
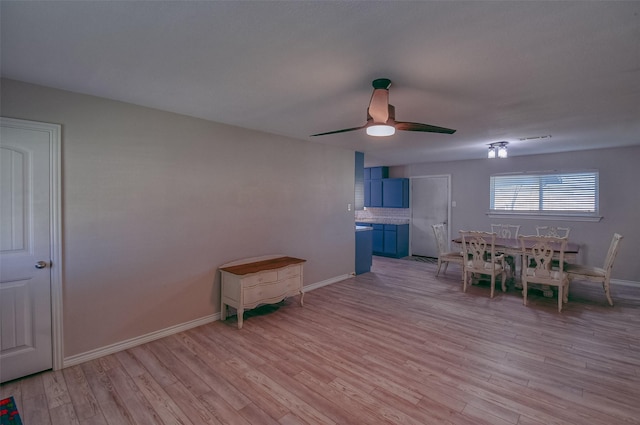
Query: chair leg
{"points": [[524, 292], [446, 264], [464, 281], [504, 282], [511, 262], [560, 298], [439, 264], [493, 284], [607, 291]]}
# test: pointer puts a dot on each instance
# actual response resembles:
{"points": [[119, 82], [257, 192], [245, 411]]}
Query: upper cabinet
{"points": [[376, 173], [395, 193], [359, 181], [381, 191]]}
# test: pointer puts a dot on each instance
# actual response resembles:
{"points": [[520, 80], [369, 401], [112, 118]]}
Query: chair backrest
{"points": [[543, 250], [507, 231], [478, 247], [611, 255], [441, 237], [559, 232]]}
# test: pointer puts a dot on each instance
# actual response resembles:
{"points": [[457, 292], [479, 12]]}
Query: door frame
{"points": [[449, 206], [54, 132]]}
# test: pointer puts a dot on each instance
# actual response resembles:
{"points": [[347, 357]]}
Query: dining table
{"points": [[511, 246]]}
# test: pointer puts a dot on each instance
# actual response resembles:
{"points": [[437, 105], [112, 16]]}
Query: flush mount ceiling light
{"points": [[381, 130], [497, 150]]}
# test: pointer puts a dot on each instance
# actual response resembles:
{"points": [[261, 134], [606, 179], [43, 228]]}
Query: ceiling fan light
{"points": [[381, 130]]}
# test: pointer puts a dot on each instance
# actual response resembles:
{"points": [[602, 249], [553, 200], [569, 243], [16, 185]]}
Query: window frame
{"points": [[549, 214]]}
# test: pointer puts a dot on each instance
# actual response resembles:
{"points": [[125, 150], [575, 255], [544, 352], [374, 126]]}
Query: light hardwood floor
{"points": [[394, 346]]}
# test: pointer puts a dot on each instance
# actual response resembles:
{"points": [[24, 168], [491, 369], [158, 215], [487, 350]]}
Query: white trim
{"points": [[624, 282], [142, 339], [449, 202], [578, 215], [56, 250], [152, 336], [55, 196], [548, 216], [322, 283]]}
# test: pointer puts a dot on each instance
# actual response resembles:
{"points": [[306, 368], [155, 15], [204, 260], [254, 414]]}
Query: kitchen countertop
{"points": [[382, 220]]}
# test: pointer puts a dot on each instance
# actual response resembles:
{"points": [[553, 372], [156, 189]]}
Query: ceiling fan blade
{"points": [[379, 103], [379, 106], [381, 112], [339, 131], [414, 126]]}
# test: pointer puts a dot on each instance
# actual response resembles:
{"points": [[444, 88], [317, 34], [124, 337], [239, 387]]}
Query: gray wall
{"points": [[154, 202], [619, 199]]}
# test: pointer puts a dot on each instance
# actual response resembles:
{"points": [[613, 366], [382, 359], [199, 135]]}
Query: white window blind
{"points": [[558, 193]]}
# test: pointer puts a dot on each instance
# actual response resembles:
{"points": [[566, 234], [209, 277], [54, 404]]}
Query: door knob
{"points": [[41, 264]]}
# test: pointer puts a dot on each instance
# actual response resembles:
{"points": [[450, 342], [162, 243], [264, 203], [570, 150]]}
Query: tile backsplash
{"points": [[374, 214]]}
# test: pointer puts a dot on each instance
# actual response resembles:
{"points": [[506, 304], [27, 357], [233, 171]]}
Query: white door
{"points": [[429, 205], [25, 251]]}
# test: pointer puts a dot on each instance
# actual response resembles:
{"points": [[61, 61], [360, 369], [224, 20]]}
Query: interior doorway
{"points": [[30, 262], [430, 200]]}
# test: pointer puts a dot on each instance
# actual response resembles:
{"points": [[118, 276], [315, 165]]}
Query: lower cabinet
{"points": [[390, 240], [377, 239], [363, 250]]}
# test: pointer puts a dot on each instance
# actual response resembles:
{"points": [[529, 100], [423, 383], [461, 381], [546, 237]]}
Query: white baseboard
{"points": [[129, 343], [142, 339], [624, 282], [322, 283], [133, 342]]}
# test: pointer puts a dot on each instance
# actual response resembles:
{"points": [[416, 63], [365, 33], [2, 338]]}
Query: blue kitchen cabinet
{"points": [[359, 182], [378, 173], [390, 240], [377, 239], [375, 197], [373, 177], [402, 247], [383, 192], [363, 249], [367, 193], [395, 193]]}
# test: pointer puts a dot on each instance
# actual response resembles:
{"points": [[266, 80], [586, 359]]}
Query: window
{"points": [[574, 194]]}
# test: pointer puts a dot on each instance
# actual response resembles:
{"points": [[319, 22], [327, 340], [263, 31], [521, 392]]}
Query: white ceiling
{"points": [[492, 70]]}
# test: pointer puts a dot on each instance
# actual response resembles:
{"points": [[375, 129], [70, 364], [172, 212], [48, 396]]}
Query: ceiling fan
{"points": [[381, 117]]}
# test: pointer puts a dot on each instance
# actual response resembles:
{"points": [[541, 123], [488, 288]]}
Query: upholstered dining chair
{"points": [[538, 255], [597, 274], [508, 231], [444, 255], [480, 257]]}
